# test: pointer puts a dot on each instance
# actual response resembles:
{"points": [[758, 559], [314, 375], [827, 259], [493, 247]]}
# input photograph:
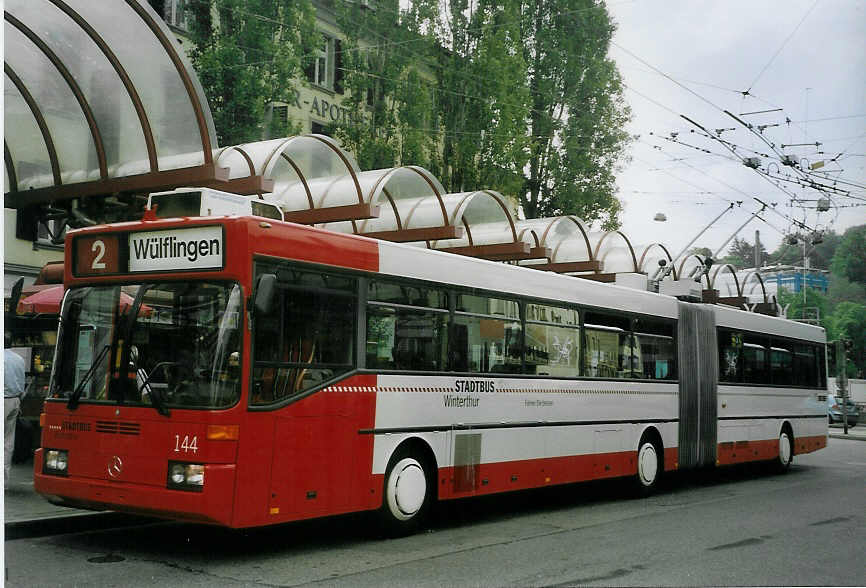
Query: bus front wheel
{"points": [[407, 495]]}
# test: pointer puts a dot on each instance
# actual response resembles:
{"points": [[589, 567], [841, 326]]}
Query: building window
{"points": [[320, 73], [175, 13], [326, 69]]}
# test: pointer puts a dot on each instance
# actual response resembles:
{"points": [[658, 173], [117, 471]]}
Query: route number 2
{"points": [[97, 255], [98, 247], [188, 444]]}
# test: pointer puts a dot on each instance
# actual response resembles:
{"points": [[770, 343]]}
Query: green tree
{"points": [[578, 115], [848, 321], [844, 290], [520, 96], [395, 100], [741, 254], [247, 54], [850, 257], [482, 97], [819, 254], [814, 307]]}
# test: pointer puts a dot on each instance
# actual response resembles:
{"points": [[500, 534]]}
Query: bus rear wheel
{"points": [[407, 496], [649, 466], [786, 451]]}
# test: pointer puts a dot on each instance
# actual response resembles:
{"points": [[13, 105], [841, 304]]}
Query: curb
{"points": [[71, 523], [848, 437]]}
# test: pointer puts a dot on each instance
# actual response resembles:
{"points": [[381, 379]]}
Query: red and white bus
{"points": [[245, 371]]}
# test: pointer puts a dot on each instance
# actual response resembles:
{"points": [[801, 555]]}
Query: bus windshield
{"points": [[174, 344]]}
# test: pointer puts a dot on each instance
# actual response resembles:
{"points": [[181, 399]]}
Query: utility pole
{"points": [[758, 261], [842, 379]]}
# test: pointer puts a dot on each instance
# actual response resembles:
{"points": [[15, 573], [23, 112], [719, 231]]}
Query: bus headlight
{"points": [[56, 462], [175, 473], [186, 476]]}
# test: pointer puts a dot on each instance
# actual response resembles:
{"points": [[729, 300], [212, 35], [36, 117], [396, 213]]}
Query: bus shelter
{"points": [[99, 102]]}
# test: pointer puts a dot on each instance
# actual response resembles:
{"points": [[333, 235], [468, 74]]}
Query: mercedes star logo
{"points": [[115, 466]]}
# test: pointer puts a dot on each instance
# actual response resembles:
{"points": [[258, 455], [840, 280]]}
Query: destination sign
{"points": [[197, 248]]}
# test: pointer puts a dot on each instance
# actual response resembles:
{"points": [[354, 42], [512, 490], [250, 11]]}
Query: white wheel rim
{"points": [[784, 449], [647, 464], [406, 489]]}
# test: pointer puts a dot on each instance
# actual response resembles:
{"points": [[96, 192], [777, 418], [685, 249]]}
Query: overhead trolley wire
{"points": [[782, 46]]}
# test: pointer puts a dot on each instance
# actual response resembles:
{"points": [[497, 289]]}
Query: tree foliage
{"points": [[850, 257], [819, 255], [578, 110], [848, 321], [516, 95], [394, 97], [247, 54], [742, 254]]}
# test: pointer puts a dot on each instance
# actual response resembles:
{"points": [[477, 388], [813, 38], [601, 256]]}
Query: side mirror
{"points": [[266, 289]]}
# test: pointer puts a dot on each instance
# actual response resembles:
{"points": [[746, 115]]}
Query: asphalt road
{"points": [[736, 526]]}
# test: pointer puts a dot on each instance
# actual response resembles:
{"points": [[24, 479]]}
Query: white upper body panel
{"points": [[424, 264]]}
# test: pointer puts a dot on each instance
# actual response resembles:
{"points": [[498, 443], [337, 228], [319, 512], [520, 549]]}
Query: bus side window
{"points": [[730, 355], [805, 365], [756, 359], [609, 351], [552, 341], [782, 363], [306, 338], [657, 353], [407, 327], [487, 335]]}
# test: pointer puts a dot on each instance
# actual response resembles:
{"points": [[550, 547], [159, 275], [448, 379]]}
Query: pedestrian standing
{"points": [[13, 391]]}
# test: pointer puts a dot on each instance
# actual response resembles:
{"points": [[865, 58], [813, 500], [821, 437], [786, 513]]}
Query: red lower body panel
{"points": [[212, 505], [733, 452], [490, 478]]}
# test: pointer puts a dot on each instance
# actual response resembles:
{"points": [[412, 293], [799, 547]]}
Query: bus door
{"points": [[698, 369], [312, 469]]}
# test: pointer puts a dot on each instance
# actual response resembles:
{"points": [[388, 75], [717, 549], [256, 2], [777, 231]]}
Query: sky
{"points": [[696, 58]]}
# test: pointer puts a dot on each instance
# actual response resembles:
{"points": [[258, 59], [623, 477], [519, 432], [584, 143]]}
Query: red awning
{"points": [[48, 300]]}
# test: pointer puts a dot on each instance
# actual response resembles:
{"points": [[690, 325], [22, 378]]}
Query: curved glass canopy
{"points": [[99, 99], [651, 255]]}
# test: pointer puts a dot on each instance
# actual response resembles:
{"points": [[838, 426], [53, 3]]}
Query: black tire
{"points": [[408, 493], [650, 466], [786, 450]]}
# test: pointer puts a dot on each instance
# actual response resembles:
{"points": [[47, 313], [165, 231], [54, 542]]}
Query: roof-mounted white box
{"points": [[632, 280], [209, 202], [686, 288]]}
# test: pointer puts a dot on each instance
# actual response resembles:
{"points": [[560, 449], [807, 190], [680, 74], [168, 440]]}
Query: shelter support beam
{"points": [[141, 183], [570, 266], [420, 234], [333, 214]]}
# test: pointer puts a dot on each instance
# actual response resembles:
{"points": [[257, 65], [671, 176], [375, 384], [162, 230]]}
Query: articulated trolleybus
{"points": [[240, 370]]}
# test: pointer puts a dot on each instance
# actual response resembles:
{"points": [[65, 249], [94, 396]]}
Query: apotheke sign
{"points": [[322, 108]]}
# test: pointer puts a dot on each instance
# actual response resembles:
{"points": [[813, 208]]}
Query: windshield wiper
{"points": [[76, 394]]}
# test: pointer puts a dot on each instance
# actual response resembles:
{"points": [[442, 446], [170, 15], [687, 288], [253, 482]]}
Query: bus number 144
{"points": [[188, 444]]}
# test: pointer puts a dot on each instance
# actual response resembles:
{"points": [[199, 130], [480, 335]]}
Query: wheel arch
{"points": [[421, 448], [651, 433]]}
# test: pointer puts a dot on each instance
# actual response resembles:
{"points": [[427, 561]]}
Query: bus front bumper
{"points": [[213, 505]]}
